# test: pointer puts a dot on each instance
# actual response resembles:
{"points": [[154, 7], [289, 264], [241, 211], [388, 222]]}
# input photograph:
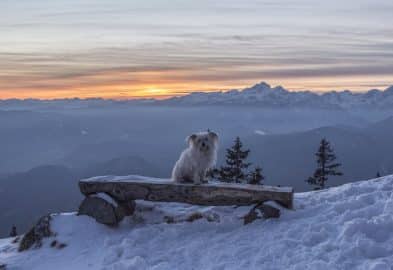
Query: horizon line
{"points": [[167, 97]]}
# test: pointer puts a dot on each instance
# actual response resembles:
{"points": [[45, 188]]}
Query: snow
{"points": [[262, 94], [137, 179], [346, 227], [260, 132], [126, 178]]}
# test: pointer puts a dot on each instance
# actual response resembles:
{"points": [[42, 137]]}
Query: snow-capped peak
{"points": [[389, 90], [263, 94], [258, 88]]}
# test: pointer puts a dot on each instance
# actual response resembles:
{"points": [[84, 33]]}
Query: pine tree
{"points": [[213, 173], [378, 175], [235, 164], [326, 166], [256, 177], [13, 232]]}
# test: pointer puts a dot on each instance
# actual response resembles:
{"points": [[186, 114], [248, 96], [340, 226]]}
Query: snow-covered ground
{"points": [[347, 227]]}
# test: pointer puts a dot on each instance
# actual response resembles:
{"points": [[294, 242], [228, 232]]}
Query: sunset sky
{"points": [[157, 48]]}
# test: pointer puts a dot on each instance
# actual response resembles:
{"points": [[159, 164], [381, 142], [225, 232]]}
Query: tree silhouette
{"points": [[325, 165], [13, 232], [256, 177], [235, 164]]}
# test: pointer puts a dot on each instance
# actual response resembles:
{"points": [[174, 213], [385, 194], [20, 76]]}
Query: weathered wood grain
{"points": [[151, 189]]}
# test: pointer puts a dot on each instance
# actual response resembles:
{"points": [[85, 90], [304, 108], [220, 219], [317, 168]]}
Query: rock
{"points": [[61, 245], [212, 217], [269, 211], [34, 237], [125, 209], [194, 216], [169, 219], [58, 245], [250, 217], [265, 210], [105, 209], [100, 209], [16, 240], [2, 266], [53, 243]]}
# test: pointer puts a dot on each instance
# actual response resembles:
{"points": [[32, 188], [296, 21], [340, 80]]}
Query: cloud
{"points": [[191, 45]]}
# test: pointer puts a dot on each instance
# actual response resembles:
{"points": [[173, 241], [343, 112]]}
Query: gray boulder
{"points": [[106, 210], [33, 238]]}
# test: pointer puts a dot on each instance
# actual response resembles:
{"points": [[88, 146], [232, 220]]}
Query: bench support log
{"points": [[106, 211]]}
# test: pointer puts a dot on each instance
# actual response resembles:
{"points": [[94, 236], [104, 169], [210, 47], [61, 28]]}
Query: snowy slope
{"points": [[347, 227]]}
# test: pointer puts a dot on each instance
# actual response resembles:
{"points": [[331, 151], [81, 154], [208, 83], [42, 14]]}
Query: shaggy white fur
{"points": [[194, 161]]}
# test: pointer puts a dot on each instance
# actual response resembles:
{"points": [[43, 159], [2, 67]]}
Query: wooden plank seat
{"points": [[116, 195]]}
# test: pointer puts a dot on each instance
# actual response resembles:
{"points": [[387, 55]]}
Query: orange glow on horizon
{"points": [[167, 84]]}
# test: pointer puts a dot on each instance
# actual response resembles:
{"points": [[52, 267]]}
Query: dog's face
{"points": [[205, 142]]}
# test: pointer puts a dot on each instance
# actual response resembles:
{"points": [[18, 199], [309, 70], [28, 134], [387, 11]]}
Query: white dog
{"points": [[194, 161]]}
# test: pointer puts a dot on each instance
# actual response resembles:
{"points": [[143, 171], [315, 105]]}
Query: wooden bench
{"points": [[110, 198]]}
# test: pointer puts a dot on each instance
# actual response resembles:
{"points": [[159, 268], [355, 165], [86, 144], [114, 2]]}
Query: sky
{"points": [[156, 48]]}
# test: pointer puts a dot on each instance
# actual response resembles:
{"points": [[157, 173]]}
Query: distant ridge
{"points": [[261, 94], [264, 95]]}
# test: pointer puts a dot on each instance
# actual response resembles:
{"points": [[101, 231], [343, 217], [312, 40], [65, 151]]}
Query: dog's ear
{"points": [[191, 139], [213, 135]]}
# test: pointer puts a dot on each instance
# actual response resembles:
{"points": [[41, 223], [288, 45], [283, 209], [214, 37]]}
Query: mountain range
{"points": [[261, 94]]}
